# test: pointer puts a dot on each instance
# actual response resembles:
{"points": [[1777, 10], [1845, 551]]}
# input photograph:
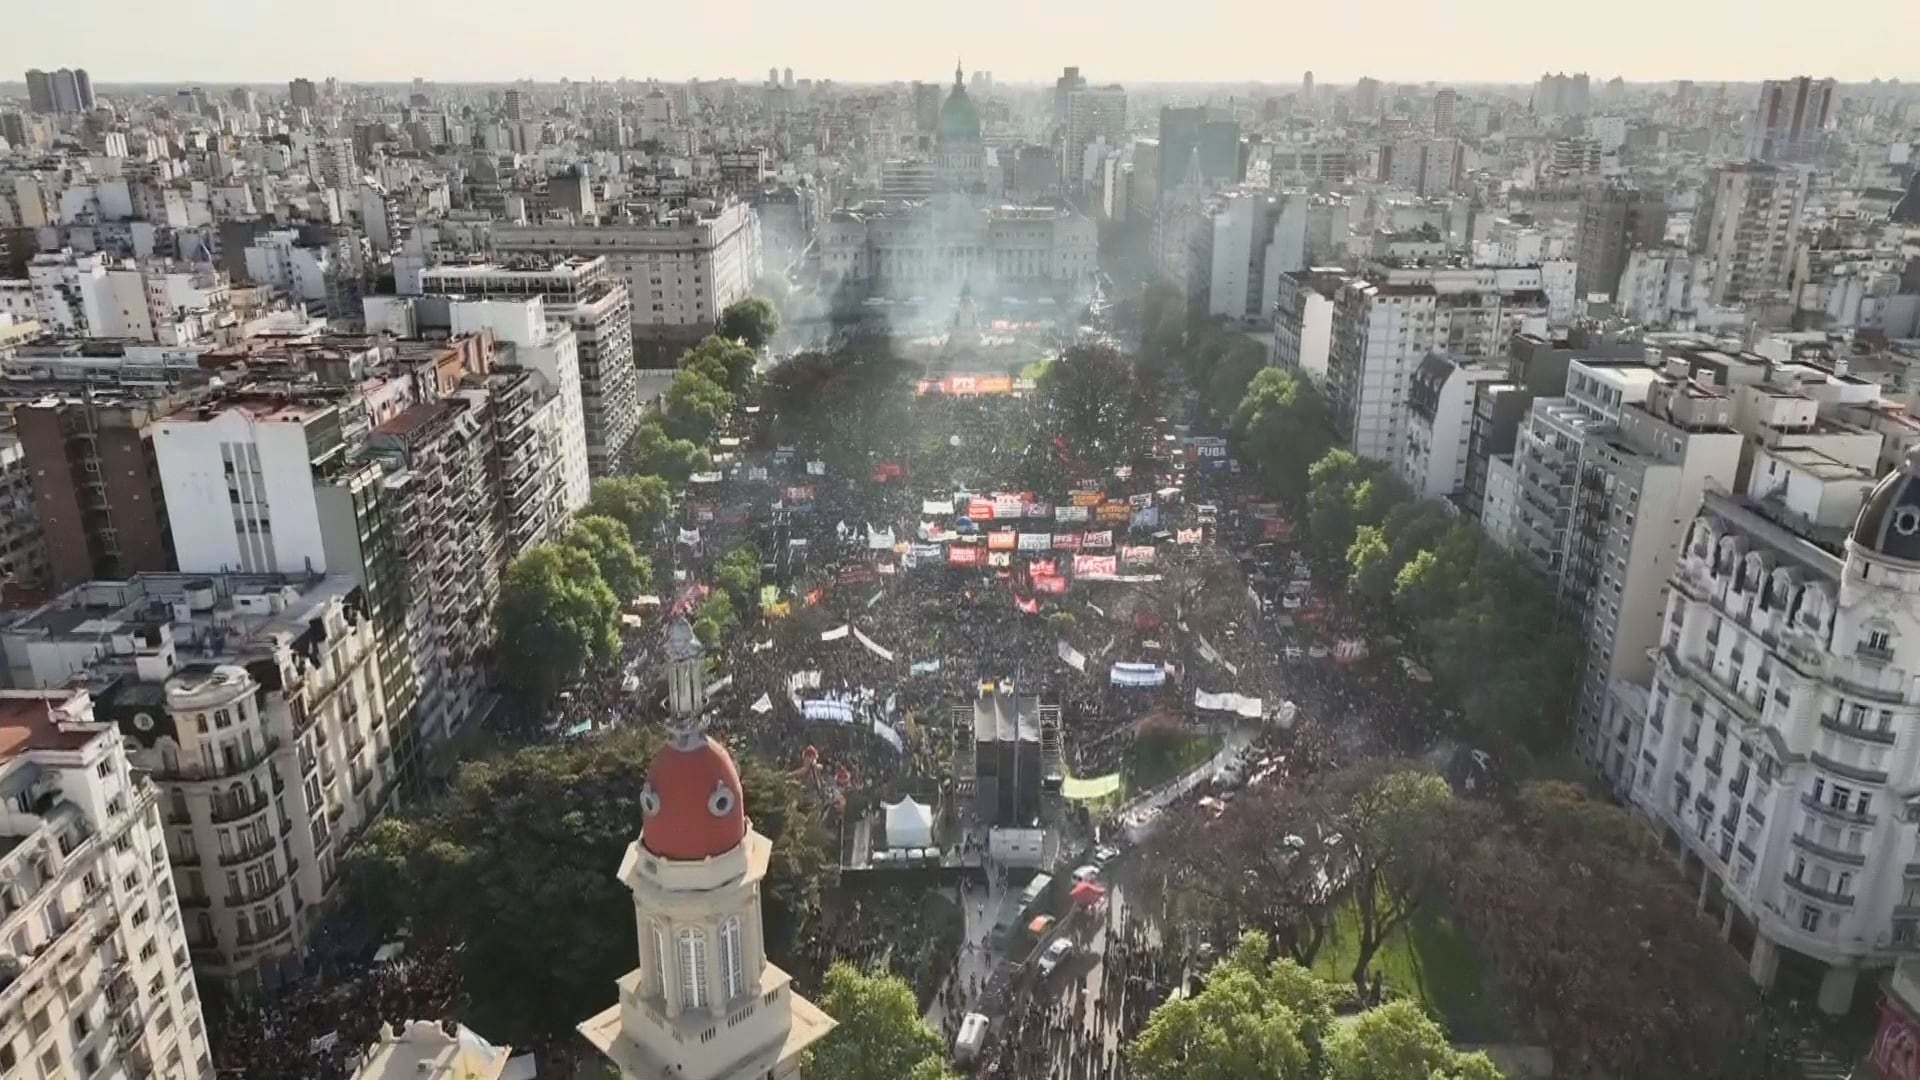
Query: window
{"points": [[693, 970], [732, 963], [1810, 919]]}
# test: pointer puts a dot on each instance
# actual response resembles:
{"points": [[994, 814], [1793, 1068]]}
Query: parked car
{"points": [[1056, 954]]}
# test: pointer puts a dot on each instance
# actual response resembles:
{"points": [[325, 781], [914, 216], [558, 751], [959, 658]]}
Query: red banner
{"points": [[961, 555], [1896, 1048], [802, 493], [1030, 606], [980, 509], [1276, 529], [1003, 541], [1040, 568], [888, 471], [1066, 541], [1052, 586], [1095, 566]]}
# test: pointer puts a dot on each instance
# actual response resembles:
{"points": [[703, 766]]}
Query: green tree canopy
{"points": [[654, 451], [724, 361], [753, 321], [716, 617], [641, 503], [739, 574], [516, 867], [878, 1035], [1092, 400], [555, 615], [1283, 427], [1270, 1019], [696, 405], [607, 543]]}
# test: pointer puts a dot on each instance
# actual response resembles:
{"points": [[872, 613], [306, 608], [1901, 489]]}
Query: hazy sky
{"points": [[1018, 40]]}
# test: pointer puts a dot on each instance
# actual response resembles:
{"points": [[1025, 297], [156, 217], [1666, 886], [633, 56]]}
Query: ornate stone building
{"points": [[704, 1004]]}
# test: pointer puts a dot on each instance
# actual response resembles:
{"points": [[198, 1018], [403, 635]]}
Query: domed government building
{"points": [[704, 1003]]}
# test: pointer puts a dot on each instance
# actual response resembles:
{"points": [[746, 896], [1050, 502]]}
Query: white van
{"points": [[972, 1038]]}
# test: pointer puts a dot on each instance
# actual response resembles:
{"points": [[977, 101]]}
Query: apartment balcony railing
{"points": [[247, 851], [231, 807], [1814, 847], [231, 765], [247, 895], [1852, 772], [1825, 896], [1873, 654], [1837, 813], [1834, 724]]}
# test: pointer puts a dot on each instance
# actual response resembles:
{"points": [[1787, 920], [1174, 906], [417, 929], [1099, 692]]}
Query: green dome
{"points": [[959, 120]]}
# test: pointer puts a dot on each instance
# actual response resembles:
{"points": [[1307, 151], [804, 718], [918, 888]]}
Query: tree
{"points": [[724, 361], [1283, 426], [1232, 375], [715, 618], [1397, 1041], [1092, 401], [739, 574], [1394, 825], [641, 503], [609, 545], [515, 868], [1650, 990], [879, 1034], [753, 321], [555, 615], [1261, 1019], [673, 460], [696, 405]]}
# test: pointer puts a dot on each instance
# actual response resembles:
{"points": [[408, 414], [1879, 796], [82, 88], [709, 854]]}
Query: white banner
{"points": [[1125, 674], [873, 647], [1212, 654], [836, 633], [762, 706], [932, 507], [1007, 506], [878, 540], [1070, 513], [1036, 541], [816, 468], [924, 667], [830, 711], [690, 537], [1074, 657], [885, 731], [1238, 704]]}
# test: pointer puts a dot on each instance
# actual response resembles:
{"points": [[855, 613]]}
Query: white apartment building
{"points": [[1094, 113], [1243, 230], [681, 271], [95, 977], [239, 476], [1440, 398], [585, 294], [525, 337], [1779, 747], [1388, 318], [256, 704], [277, 259], [1303, 320]]}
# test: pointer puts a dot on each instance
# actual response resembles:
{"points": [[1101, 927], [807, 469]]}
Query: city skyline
{"points": [[1484, 41]]}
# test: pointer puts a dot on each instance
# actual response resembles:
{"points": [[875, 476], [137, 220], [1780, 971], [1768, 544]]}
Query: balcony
{"points": [[1833, 723], [266, 930], [1836, 813], [1882, 694], [1852, 772], [1869, 653], [1825, 896], [231, 807], [247, 895], [247, 852], [1814, 847], [231, 765]]}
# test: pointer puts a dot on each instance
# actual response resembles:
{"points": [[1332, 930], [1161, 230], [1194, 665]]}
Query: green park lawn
{"points": [[1158, 756], [1428, 961]]}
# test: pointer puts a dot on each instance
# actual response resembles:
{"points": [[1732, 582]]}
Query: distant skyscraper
{"points": [[84, 85], [1092, 114], [1790, 119], [39, 91], [66, 91], [786, 78], [1070, 80], [301, 93], [1366, 96], [1749, 225], [1443, 106], [1614, 220], [518, 108], [773, 76], [1306, 87]]}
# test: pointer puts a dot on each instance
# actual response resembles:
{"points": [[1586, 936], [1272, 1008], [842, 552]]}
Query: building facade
{"points": [[1749, 226], [97, 980]]}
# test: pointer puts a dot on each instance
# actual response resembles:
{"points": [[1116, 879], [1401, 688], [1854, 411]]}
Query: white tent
{"points": [[909, 824]]}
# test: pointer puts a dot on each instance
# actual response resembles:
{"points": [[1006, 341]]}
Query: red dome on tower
{"points": [[693, 805]]}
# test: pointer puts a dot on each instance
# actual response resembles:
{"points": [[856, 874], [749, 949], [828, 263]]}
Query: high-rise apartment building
{"points": [[1063, 87], [585, 294], [1093, 114], [39, 91], [98, 978], [66, 91], [1366, 96], [1790, 119], [96, 483], [1749, 226], [517, 108], [527, 338], [1445, 101], [23, 546], [1614, 219], [255, 704], [1387, 319], [302, 94]]}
